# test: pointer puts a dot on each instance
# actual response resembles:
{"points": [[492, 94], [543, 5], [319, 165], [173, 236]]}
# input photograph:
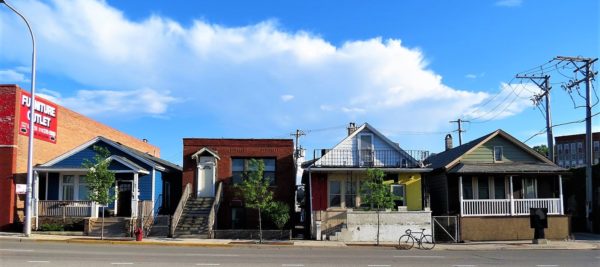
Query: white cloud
{"points": [[226, 71], [12, 76], [471, 76], [286, 98], [509, 3]]}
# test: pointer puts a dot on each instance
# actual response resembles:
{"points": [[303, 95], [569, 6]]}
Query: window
{"points": [[74, 187], [237, 218], [499, 188], [529, 188], [241, 166], [467, 188], [567, 155], [483, 188], [365, 146], [335, 196], [559, 152], [350, 193], [580, 155], [399, 192], [573, 151], [498, 155]]}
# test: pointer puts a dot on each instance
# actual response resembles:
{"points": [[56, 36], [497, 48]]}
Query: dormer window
{"points": [[498, 154]]}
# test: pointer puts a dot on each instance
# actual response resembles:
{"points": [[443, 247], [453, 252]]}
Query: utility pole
{"points": [[297, 134], [460, 130], [545, 86], [584, 67]]}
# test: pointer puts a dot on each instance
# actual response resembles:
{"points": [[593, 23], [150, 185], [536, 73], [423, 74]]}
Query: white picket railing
{"points": [[504, 207], [522, 206], [486, 207], [64, 208]]}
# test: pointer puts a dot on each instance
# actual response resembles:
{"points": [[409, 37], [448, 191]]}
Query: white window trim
{"points": [[535, 187], [501, 154], [403, 192], [342, 203], [76, 176]]}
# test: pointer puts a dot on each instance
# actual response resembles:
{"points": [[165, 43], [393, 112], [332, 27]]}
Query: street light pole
{"points": [[28, 196]]}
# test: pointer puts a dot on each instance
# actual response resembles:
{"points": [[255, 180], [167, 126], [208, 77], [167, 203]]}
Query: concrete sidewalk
{"points": [[496, 245]]}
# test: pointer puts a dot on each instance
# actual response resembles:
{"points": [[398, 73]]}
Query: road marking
{"points": [[213, 255], [16, 250], [379, 265], [297, 265], [38, 261], [121, 263], [464, 265], [542, 265], [431, 257], [208, 264]]}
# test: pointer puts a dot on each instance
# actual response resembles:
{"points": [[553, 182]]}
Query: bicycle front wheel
{"points": [[427, 242], [406, 242]]}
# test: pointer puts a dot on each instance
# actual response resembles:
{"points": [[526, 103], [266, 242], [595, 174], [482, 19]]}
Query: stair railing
{"points": [[212, 216], [179, 211]]}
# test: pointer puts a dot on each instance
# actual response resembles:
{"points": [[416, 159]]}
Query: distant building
{"points": [[571, 150]]}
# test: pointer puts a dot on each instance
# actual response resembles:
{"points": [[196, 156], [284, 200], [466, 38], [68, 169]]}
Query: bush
{"points": [[279, 214], [52, 227]]}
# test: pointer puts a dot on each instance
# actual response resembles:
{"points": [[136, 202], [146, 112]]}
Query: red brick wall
{"points": [[73, 130], [281, 149]]}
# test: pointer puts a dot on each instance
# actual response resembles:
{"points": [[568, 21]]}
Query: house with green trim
{"points": [[491, 183], [334, 178]]}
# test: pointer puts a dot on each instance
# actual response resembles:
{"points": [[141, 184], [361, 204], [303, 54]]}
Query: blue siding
{"points": [[145, 186], [76, 160], [117, 166], [158, 191]]}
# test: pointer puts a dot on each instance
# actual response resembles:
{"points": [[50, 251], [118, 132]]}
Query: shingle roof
{"points": [[147, 156], [506, 168], [442, 159]]}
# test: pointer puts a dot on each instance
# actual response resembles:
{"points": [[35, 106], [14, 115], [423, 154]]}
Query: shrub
{"points": [[52, 227]]}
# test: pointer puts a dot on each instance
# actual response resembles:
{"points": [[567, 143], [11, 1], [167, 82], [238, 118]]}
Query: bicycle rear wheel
{"points": [[427, 242], [406, 242]]}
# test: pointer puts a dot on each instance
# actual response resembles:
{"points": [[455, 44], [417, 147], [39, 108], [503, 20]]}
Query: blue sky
{"points": [[164, 70]]}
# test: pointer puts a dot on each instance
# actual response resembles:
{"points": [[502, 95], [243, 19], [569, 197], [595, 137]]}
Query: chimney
{"points": [[351, 128], [448, 142]]}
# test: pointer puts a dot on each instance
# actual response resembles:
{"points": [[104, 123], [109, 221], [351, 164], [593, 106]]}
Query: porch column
{"points": [[460, 194], [36, 197], [135, 197], [510, 194], [560, 195]]}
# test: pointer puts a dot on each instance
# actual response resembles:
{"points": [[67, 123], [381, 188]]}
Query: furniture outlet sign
{"points": [[45, 118]]}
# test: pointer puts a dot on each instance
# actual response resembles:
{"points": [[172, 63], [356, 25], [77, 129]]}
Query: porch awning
{"points": [[508, 168]]}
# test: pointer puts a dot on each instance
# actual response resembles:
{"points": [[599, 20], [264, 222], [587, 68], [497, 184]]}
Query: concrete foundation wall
{"points": [[362, 225], [510, 228]]}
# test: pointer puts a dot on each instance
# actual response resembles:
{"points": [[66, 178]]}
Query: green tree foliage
{"points": [[542, 149], [100, 180], [255, 191], [279, 214], [375, 192]]}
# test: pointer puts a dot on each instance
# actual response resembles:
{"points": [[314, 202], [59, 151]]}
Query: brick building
{"points": [[60, 130], [230, 157], [571, 150]]}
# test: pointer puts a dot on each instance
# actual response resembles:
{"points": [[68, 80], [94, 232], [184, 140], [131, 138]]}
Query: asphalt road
{"points": [[15, 253]]}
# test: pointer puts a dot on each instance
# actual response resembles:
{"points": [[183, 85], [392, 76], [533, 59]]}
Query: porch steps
{"points": [[194, 219], [113, 227], [160, 227]]}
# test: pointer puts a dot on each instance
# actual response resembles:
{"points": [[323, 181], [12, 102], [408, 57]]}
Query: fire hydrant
{"points": [[139, 234]]}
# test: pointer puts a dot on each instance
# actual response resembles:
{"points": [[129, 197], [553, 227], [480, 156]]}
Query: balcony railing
{"points": [[504, 207], [65, 208], [369, 158]]}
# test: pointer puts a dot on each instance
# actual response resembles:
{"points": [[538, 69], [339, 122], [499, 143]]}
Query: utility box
{"points": [[538, 220]]}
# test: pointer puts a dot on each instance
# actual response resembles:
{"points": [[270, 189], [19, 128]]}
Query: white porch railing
{"points": [[503, 207], [522, 206], [65, 208], [486, 207]]}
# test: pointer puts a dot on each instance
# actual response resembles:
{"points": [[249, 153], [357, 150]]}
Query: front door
{"points": [[205, 179], [124, 199]]}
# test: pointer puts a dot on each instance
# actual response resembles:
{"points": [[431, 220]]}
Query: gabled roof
{"points": [[146, 158], [395, 146], [129, 164], [449, 158], [205, 150]]}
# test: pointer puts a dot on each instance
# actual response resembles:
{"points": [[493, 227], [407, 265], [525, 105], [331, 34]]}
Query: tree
{"points": [[100, 180], [377, 194], [542, 149], [255, 190], [279, 213]]}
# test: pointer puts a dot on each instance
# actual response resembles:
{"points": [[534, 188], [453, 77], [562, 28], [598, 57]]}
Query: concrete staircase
{"points": [[160, 226], [113, 227], [194, 219]]}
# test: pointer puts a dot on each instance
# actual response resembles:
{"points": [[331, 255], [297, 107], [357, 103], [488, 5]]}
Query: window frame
{"points": [[246, 168], [403, 186], [75, 184], [501, 149]]}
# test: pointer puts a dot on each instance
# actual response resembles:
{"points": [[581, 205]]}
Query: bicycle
{"points": [[407, 240]]}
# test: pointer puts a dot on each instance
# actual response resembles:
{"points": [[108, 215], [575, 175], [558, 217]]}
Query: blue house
{"points": [[145, 185]]}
